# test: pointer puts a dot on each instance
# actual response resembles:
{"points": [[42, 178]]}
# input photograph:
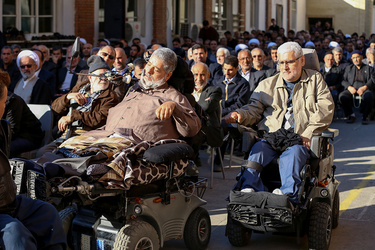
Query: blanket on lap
{"points": [[125, 165]]}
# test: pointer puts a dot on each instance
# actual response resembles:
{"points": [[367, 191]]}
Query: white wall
{"points": [[65, 16]]}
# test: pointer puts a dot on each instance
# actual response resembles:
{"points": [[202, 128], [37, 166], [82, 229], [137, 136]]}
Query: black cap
{"points": [[96, 62]]}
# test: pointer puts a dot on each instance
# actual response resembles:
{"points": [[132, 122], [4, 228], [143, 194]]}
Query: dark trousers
{"points": [[33, 225], [347, 102]]}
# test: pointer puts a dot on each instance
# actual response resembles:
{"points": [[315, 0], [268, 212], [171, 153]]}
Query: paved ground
{"points": [[355, 161]]}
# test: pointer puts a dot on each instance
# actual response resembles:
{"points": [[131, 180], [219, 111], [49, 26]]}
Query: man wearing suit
{"points": [[199, 55], [44, 74], [258, 62], [247, 71], [332, 75], [67, 80], [358, 81], [236, 93], [208, 98]]}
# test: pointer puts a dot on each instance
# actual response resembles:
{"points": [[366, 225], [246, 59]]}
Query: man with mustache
{"points": [[295, 99], [30, 88], [153, 110]]}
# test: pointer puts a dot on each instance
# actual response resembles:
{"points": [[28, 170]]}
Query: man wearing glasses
{"points": [[295, 99], [30, 88]]}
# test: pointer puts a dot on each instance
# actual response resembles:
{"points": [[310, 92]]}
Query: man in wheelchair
{"points": [[297, 100]]}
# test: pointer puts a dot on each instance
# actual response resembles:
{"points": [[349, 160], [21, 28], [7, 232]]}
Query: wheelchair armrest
{"points": [[319, 142], [170, 152]]}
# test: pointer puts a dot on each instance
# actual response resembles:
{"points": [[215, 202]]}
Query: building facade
{"points": [[167, 19]]}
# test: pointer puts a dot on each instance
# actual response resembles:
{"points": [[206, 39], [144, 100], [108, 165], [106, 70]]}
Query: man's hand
{"points": [[79, 97], [306, 142], [352, 90], [233, 117], [165, 110], [362, 89], [64, 122]]}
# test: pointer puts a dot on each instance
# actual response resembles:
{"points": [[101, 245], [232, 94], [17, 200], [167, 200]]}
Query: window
{"points": [[180, 20], [29, 16]]}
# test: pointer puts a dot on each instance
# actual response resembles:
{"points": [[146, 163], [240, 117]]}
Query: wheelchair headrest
{"points": [[311, 59]]}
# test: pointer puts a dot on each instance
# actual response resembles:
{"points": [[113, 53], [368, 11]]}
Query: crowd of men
{"points": [[230, 77]]}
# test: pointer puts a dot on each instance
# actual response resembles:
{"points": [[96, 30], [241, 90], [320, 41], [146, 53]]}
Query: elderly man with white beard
{"points": [[153, 110], [30, 88]]}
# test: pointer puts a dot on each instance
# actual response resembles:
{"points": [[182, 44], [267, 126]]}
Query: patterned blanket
{"points": [[125, 165]]}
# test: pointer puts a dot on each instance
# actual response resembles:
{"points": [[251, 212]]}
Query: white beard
{"points": [[147, 84]]}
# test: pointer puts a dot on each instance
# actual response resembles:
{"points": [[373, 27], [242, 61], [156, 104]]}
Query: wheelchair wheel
{"points": [[238, 236], [67, 215], [320, 227], [336, 209], [197, 231], [136, 235]]}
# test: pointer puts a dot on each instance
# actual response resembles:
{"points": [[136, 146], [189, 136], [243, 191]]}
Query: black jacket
{"points": [[41, 93], [349, 76], [333, 77], [209, 101], [236, 95], [23, 122]]}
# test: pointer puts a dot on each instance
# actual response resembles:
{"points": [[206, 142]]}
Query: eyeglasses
{"points": [[106, 54], [289, 62], [26, 66]]}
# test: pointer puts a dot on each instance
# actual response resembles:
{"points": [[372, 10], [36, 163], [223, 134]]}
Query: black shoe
{"points": [[217, 168], [365, 121], [351, 119]]}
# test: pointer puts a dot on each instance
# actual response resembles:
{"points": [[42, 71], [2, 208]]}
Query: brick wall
{"points": [[160, 21], [242, 11], [84, 20]]}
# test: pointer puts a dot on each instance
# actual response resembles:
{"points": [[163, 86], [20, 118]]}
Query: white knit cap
{"points": [[30, 54], [240, 46]]}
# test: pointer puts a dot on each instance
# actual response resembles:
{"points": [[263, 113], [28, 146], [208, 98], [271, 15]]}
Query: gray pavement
{"points": [[355, 161]]}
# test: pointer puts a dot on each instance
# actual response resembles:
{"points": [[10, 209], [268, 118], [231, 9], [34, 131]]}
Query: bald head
{"points": [[201, 75], [120, 60]]}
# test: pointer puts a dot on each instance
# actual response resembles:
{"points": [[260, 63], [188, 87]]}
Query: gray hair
{"points": [[290, 47], [370, 50], [261, 51], [337, 49], [168, 57], [226, 51]]}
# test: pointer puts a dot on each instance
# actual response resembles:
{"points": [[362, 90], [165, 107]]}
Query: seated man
{"points": [[94, 98], [332, 75], [154, 110], [30, 88], [208, 98], [296, 99], [26, 129], [358, 80], [24, 223]]}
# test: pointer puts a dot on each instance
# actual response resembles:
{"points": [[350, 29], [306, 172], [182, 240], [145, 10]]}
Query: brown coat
{"points": [[137, 113], [94, 118]]}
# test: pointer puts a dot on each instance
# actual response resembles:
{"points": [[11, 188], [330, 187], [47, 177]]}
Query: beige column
{"points": [[301, 15]]}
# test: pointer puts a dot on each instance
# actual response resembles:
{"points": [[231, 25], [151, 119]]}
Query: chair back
{"points": [[311, 59], [44, 113]]}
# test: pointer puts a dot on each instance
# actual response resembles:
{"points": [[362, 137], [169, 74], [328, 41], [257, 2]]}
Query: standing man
{"points": [[295, 93], [208, 32], [358, 81]]}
